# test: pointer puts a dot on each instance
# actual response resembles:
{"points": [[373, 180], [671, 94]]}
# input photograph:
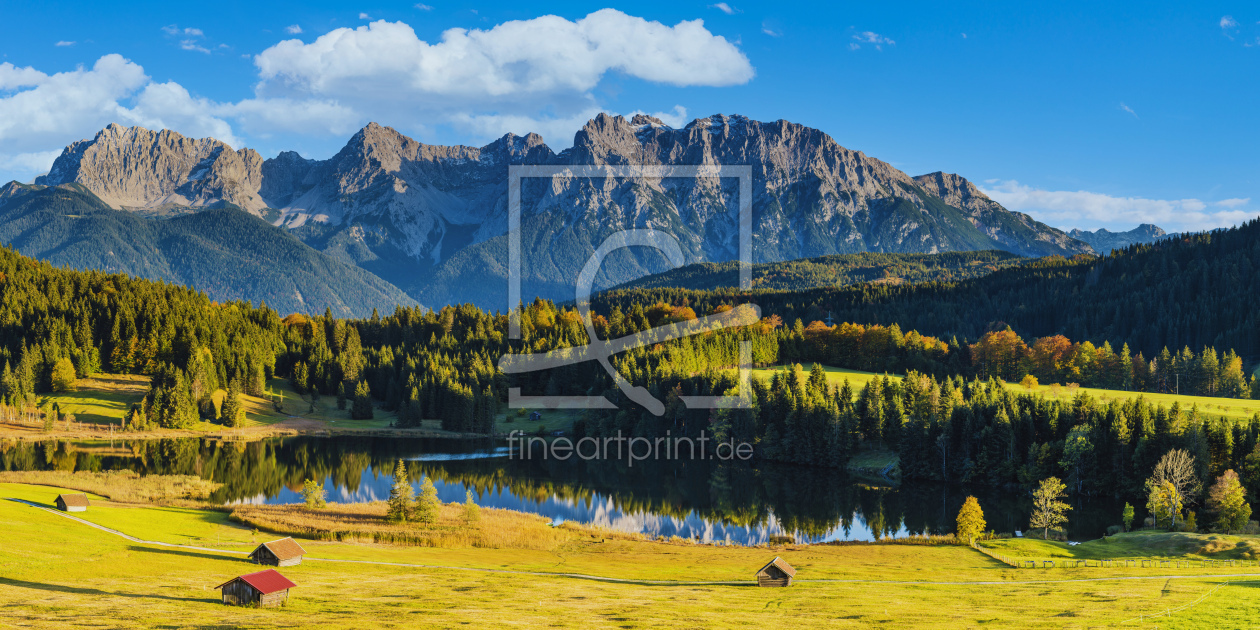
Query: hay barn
{"points": [[265, 589], [278, 553], [777, 573], [72, 502]]}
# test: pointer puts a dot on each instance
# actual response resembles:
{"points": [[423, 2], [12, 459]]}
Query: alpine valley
{"points": [[389, 220]]}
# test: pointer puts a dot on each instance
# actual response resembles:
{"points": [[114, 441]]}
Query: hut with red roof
{"points": [[264, 589]]}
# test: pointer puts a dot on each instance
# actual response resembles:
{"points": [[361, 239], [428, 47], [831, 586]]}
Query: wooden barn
{"points": [[72, 502], [776, 573], [278, 553], [265, 589]]}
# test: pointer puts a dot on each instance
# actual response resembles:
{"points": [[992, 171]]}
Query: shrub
{"points": [[313, 494], [472, 511], [1114, 529]]}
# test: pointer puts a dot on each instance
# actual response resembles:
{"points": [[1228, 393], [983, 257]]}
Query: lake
{"points": [[737, 502]]}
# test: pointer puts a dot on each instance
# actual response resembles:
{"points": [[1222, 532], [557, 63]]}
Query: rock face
{"points": [[1105, 241], [432, 219], [137, 169]]}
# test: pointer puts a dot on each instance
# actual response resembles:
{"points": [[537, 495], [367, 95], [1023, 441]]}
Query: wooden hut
{"points": [[264, 589], [72, 502], [776, 573], [278, 553]]}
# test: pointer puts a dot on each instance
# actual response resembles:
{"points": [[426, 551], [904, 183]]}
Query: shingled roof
{"points": [[782, 564], [73, 500], [264, 582], [285, 548]]}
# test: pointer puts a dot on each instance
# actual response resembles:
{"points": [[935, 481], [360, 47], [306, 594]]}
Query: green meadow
{"points": [[59, 573]]}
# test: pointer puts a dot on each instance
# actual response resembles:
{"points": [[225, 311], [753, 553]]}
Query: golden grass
{"points": [[366, 522], [121, 485]]}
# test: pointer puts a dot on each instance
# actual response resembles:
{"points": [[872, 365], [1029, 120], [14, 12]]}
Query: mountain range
{"points": [[1103, 240], [432, 220]]}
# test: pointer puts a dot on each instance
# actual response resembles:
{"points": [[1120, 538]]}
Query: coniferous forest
{"points": [[1179, 314]]}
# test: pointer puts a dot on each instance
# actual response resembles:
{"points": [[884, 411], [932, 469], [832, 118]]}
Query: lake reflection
{"points": [[737, 503]]}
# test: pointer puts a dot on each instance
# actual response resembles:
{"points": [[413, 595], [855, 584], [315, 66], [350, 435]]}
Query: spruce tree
{"points": [[400, 496], [231, 413], [428, 505], [362, 409]]}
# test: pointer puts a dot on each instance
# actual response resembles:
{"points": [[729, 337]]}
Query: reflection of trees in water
{"points": [[810, 502]]}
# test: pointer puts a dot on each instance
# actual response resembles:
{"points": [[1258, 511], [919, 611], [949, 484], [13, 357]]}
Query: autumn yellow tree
{"points": [[970, 520]]}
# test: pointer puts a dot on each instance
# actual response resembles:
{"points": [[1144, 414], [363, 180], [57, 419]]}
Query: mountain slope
{"points": [[224, 251], [1192, 291], [835, 271], [433, 219]]}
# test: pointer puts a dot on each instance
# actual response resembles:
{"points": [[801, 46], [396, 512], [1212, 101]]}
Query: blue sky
{"points": [[1082, 114]]}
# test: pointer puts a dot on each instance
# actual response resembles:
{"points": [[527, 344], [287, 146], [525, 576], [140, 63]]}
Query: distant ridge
{"points": [[1104, 241]]}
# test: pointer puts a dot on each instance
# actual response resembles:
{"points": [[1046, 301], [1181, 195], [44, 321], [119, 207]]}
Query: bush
{"points": [[1114, 529]]}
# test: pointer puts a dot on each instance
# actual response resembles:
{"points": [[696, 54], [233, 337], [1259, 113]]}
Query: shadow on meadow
{"points": [[79, 590]]}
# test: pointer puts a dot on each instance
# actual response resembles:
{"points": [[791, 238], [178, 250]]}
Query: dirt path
{"points": [[598, 578]]}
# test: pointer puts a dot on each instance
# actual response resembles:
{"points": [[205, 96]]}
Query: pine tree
{"points": [[362, 408], [428, 505], [400, 506], [341, 395], [231, 413]]}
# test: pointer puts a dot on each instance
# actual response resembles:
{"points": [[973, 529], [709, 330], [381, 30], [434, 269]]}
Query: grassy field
{"points": [[57, 573], [102, 399], [1133, 545], [1233, 408]]}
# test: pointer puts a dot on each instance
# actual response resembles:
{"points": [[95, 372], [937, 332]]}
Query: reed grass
{"points": [[366, 522], [121, 485]]}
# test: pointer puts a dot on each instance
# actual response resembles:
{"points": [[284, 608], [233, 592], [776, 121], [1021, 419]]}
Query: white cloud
{"points": [[424, 7], [293, 29], [191, 44], [1126, 108], [1228, 22], [535, 75], [540, 70], [364, 16], [46, 112], [63, 43], [1090, 209], [875, 39], [768, 30], [725, 8]]}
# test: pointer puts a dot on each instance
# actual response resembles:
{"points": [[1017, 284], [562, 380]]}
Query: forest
{"points": [[950, 418]]}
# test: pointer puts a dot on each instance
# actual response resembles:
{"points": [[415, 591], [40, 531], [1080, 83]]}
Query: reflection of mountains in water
{"points": [[699, 500]]}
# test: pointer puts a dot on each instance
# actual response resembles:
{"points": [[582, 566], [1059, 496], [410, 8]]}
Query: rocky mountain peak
{"points": [[136, 168]]}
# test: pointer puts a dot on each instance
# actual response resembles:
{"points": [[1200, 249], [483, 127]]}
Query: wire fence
{"points": [[1118, 563]]}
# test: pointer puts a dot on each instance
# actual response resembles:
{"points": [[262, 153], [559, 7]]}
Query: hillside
{"points": [[433, 219], [223, 251], [1195, 290], [835, 271]]}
